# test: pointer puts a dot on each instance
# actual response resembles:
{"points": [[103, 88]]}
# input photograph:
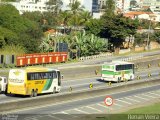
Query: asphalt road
{"points": [[89, 105], [84, 84]]}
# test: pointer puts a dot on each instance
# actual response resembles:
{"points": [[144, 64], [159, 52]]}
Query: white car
{"points": [[3, 84]]}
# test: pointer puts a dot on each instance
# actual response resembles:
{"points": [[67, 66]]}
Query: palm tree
{"points": [[54, 5], [75, 7], [75, 10]]}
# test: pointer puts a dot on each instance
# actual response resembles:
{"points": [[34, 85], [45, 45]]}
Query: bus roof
{"points": [[117, 63], [36, 69]]}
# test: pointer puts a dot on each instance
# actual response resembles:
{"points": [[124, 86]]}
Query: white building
{"points": [[154, 5], [40, 5], [86, 3], [30, 5]]}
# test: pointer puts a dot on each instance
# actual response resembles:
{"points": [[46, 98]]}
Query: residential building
{"points": [[154, 5], [87, 4], [30, 5], [40, 5]]}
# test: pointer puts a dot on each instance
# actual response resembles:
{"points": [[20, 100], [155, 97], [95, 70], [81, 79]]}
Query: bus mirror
{"points": [[62, 76]]}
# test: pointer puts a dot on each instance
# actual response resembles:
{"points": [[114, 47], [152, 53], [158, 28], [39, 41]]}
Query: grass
{"points": [[153, 109], [134, 52]]}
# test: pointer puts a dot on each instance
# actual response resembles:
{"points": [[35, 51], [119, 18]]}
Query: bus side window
{"points": [[50, 75], [45, 76], [54, 74], [29, 76]]}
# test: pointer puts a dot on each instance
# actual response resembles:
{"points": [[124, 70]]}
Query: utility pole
{"points": [[149, 28]]}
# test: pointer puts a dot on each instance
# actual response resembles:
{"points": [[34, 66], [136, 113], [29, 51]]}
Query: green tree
{"points": [[117, 28], [2, 41], [9, 37], [75, 7], [14, 27], [54, 6], [94, 26], [8, 0], [109, 8]]}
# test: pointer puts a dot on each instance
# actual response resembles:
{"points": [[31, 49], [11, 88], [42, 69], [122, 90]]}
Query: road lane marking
{"points": [[123, 101], [81, 111], [52, 116], [148, 96], [118, 105], [141, 97], [64, 112], [93, 108], [154, 94], [30, 118], [99, 104], [132, 99]]}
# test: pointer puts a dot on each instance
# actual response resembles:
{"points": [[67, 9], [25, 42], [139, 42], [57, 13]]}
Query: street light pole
{"points": [[149, 28]]}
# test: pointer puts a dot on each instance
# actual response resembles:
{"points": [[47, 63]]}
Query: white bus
{"points": [[34, 80], [117, 71]]}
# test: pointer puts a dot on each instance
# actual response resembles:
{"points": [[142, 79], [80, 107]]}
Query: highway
{"points": [[84, 84], [92, 105]]}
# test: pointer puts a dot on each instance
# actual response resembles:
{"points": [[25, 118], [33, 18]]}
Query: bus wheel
{"points": [[54, 90], [35, 93], [0, 88], [32, 93], [119, 79]]}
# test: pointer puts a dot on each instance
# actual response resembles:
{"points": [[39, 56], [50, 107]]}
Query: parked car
{"points": [[3, 84]]}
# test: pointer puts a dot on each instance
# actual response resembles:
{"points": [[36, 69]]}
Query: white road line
{"points": [[148, 96], [64, 112], [123, 101], [52, 116], [93, 108], [81, 111], [33, 117], [140, 97], [132, 99], [101, 105], [154, 94], [158, 91], [30, 118], [118, 105]]}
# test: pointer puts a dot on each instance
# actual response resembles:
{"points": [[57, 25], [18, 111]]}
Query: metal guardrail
{"points": [[129, 58], [95, 56]]}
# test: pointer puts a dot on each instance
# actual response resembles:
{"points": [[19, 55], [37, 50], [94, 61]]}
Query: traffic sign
{"points": [[91, 86], [108, 100], [70, 89], [109, 83]]}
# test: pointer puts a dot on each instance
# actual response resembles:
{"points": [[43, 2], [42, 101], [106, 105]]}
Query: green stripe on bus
{"points": [[108, 72], [48, 84], [115, 73]]}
